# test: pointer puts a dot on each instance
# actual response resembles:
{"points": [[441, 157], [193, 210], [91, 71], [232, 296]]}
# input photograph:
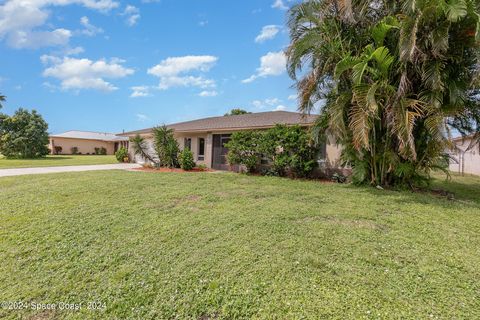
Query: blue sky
{"points": [[106, 65]]}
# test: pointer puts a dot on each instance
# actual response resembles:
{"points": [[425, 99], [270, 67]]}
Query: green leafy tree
{"points": [[166, 146], [23, 135], [236, 112], [396, 77]]}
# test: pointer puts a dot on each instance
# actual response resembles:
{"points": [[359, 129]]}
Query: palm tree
{"points": [[140, 148], [393, 87], [2, 99]]}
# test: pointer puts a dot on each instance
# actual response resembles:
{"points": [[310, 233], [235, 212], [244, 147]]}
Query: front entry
{"points": [[219, 158]]}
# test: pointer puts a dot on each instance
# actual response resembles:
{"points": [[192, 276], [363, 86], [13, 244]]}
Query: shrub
{"points": [[74, 150], [100, 151], [23, 135], [166, 147], [58, 150], [243, 149], [186, 159], [122, 154], [287, 150]]}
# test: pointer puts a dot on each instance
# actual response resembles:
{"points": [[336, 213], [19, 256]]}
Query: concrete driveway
{"points": [[45, 170]]}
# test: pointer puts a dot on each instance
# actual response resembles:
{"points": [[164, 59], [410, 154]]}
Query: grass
{"points": [[55, 161], [227, 246]]}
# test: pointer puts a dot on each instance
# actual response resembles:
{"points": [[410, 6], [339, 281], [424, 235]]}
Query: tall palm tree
{"points": [[392, 86]]}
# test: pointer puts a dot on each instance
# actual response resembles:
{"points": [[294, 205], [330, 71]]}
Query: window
{"points": [[201, 149], [187, 143]]}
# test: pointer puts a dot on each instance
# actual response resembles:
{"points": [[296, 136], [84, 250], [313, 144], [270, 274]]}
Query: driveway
{"points": [[44, 170]]}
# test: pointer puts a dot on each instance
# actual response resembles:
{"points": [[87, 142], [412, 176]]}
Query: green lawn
{"points": [[227, 246], [55, 161]]}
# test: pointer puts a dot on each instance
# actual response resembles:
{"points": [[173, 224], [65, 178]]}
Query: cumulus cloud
{"points": [[292, 97], [36, 39], [22, 23], [280, 108], [206, 93], [132, 15], [268, 32], [279, 4], [140, 91], [90, 30], [78, 74], [271, 64], [174, 72]]}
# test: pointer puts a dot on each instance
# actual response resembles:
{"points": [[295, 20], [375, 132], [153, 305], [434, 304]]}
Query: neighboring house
{"points": [[207, 137], [86, 142], [466, 157]]}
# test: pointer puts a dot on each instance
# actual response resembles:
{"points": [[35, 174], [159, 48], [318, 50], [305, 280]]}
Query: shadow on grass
{"points": [[465, 191]]}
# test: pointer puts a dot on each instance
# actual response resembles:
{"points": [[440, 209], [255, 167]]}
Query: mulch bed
{"points": [[145, 169]]}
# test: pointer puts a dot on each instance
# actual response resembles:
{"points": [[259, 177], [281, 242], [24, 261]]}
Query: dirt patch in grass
{"points": [[345, 222]]}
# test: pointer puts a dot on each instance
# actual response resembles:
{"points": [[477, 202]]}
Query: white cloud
{"points": [[203, 23], [132, 15], [36, 39], [267, 103], [292, 97], [206, 93], [90, 30], [271, 64], [140, 91], [78, 74], [73, 51], [23, 22], [280, 108], [141, 117], [171, 72], [279, 4], [268, 32], [176, 65], [188, 81]]}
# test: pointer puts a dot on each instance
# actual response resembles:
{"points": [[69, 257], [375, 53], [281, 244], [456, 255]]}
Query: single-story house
{"points": [[86, 142], [206, 137], [466, 156]]}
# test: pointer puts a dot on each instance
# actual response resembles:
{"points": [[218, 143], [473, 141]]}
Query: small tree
{"points": [[236, 112], [23, 135], [57, 150], [166, 146], [243, 149], [186, 159]]}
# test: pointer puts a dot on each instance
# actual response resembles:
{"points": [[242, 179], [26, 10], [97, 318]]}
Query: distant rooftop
{"points": [[238, 122], [89, 135]]}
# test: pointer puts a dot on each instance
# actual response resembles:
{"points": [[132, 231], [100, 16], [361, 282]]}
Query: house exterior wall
{"points": [[84, 146], [466, 161]]}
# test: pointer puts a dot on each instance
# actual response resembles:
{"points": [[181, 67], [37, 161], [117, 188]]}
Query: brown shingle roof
{"points": [[238, 122]]}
